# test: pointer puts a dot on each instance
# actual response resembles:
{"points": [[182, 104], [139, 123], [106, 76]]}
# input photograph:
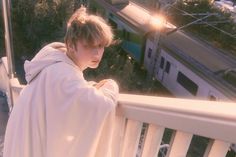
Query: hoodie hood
{"points": [[48, 55]]}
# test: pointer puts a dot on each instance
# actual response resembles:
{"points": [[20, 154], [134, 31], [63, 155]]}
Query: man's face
{"points": [[87, 56]]}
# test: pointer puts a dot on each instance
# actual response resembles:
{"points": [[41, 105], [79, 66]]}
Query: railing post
{"points": [[131, 138], [180, 144], [152, 141], [188, 118], [119, 131], [217, 148]]}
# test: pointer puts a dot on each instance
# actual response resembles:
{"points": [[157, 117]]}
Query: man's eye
{"points": [[100, 45], [86, 46]]}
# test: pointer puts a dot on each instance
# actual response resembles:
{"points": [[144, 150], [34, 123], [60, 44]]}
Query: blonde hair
{"points": [[90, 29]]}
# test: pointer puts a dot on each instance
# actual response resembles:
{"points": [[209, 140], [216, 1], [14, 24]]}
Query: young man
{"points": [[59, 113]]}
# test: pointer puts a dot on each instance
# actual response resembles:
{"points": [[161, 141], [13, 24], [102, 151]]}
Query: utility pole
{"points": [[8, 36], [8, 44]]}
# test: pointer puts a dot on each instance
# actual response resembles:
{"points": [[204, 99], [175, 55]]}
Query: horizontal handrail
{"points": [[212, 119], [216, 120]]}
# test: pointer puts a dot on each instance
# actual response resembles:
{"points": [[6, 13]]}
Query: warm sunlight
{"points": [[157, 21]]}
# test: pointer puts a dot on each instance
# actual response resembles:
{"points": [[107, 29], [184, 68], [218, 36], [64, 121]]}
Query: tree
{"points": [[38, 22]]}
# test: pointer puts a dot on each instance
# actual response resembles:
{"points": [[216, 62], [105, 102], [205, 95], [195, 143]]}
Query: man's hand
{"points": [[101, 83]]}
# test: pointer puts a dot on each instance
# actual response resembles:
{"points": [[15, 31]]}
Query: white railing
{"points": [[6, 82], [215, 120]]}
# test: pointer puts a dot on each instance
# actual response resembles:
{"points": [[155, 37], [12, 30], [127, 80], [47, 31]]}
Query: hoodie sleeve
{"points": [[110, 89], [105, 97], [76, 112]]}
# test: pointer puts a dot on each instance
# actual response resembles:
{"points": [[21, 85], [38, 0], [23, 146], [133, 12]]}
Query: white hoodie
{"points": [[58, 114]]}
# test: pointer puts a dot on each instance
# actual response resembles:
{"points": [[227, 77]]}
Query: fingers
{"points": [[101, 83]]}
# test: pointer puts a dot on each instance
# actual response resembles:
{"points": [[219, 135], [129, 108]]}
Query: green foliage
{"points": [[38, 22], [95, 7], [230, 77], [116, 64]]}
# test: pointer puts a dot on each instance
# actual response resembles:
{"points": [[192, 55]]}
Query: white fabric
{"points": [[58, 113]]}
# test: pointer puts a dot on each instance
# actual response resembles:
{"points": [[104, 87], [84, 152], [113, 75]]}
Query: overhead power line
{"points": [[211, 25], [196, 21]]}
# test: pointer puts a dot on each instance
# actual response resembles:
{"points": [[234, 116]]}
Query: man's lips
{"points": [[95, 61]]}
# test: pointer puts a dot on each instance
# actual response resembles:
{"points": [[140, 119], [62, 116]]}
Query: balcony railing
{"points": [[214, 120]]}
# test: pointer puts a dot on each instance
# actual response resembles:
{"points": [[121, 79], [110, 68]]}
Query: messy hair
{"points": [[90, 29]]}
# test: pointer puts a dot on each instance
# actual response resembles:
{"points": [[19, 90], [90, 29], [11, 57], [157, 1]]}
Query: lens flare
{"points": [[157, 21]]}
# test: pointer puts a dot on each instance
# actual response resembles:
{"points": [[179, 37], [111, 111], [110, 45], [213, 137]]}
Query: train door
{"points": [[151, 61], [148, 59], [166, 70], [161, 69]]}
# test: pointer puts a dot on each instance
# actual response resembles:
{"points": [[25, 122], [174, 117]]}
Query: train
{"points": [[186, 65]]}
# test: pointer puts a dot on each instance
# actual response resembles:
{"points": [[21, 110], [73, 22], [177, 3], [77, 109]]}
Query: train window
{"points": [[149, 53], [162, 62], [167, 69], [187, 83]]}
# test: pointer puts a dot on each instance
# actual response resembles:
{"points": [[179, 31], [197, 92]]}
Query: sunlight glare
{"points": [[70, 138], [157, 21]]}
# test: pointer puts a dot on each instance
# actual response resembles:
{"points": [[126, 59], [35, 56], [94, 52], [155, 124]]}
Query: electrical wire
{"points": [[185, 12]]}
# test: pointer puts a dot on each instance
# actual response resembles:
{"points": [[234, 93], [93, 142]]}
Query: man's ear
{"points": [[71, 47]]}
